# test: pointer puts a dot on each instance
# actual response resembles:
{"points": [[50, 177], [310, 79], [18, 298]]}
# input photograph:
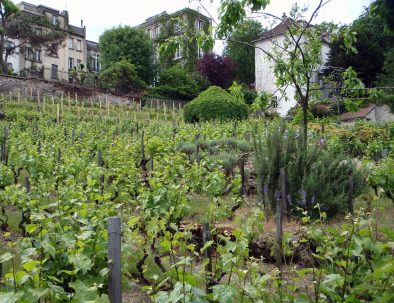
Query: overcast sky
{"points": [[101, 15]]}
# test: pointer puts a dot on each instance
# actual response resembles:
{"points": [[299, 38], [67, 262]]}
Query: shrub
{"points": [[214, 103], [299, 116], [176, 83], [122, 76], [322, 177]]}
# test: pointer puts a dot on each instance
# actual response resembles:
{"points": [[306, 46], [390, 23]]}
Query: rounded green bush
{"points": [[214, 104]]}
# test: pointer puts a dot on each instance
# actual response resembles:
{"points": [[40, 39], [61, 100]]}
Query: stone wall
{"points": [[31, 88], [383, 114]]}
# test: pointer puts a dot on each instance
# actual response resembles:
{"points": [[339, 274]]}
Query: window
{"points": [[37, 55], [79, 64], [274, 102], [70, 63], [9, 44], [29, 54], [55, 20], [177, 27], [54, 71], [96, 66], [157, 31], [79, 45], [178, 53], [70, 43], [151, 33], [199, 25], [200, 52]]}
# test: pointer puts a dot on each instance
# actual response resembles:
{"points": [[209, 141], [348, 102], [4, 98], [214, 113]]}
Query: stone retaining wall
{"points": [[31, 88]]}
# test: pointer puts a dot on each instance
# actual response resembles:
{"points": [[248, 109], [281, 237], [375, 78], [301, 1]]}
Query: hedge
{"points": [[214, 104]]}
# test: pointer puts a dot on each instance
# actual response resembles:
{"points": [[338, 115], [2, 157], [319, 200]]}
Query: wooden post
{"points": [[350, 195], [58, 114], [114, 258], [278, 247], [242, 172], [206, 237], [61, 101], [106, 101], [142, 144], [69, 100], [283, 191]]}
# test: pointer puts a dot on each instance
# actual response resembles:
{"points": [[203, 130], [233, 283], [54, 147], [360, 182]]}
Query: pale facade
{"points": [[264, 68], [35, 61]]}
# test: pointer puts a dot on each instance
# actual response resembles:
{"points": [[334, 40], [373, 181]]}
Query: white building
{"points": [[270, 42]]}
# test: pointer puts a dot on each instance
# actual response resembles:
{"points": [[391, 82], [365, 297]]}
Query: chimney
{"points": [[81, 23], [284, 17]]}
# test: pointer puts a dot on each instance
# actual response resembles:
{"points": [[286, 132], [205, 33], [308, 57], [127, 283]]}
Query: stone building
{"points": [[72, 53], [164, 25]]}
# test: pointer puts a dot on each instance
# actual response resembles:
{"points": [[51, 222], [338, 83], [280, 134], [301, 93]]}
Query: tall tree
{"points": [[248, 31], [21, 27], [218, 70], [371, 45], [385, 9], [132, 44]]}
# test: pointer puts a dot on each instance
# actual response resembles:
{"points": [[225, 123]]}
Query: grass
{"points": [[381, 207]]}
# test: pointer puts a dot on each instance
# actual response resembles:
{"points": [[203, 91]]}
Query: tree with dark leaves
{"points": [[220, 71]]}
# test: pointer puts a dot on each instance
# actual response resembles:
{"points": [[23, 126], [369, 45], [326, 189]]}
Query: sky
{"points": [[99, 16]]}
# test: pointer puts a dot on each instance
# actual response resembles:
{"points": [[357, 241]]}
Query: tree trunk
{"points": [[305, 127], [3, 64]]}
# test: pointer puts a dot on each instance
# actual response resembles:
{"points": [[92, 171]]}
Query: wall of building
{"points": [[265, 78], [30, 87], [383, 114]]}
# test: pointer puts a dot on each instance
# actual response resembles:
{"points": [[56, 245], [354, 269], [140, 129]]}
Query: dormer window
{"points": [[55, 20], [199, 25]]}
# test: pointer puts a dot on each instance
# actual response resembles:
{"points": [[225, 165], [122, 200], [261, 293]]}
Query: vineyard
{"points": [[197, 204]]}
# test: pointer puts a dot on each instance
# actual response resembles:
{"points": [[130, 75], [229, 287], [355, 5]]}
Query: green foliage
{"points": [[370, 47], [247, 32], [121, 76], [386, 77], [131, 44], [320, 177], [176, 83], [382, 176], [385, 9], [87, 167], [214, 104], [188, 39], [299, 116], [262, 101], [22, 26]]}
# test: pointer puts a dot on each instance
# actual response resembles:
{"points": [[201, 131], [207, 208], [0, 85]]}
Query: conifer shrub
{"points": [[319, 177], [214, 104]]}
